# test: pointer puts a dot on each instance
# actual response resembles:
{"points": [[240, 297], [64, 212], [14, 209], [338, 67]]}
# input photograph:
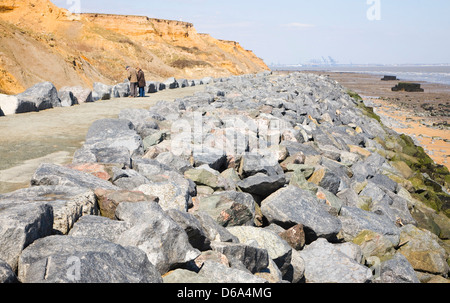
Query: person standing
{"points": [[141, 81], [132, 76]]}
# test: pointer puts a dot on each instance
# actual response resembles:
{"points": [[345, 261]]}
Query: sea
{"points": [[439, 74]]}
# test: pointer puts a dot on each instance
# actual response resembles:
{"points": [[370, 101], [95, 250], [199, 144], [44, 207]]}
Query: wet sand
{"points": [[423, 116], [53, 135]]}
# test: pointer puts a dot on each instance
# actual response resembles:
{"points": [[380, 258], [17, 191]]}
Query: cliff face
{"points": [[41, 42]]}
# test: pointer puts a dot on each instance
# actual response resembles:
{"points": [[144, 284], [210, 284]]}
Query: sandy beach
{"points": [[423, 116]]}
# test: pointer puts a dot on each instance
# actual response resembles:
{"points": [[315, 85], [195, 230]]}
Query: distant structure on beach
{"points": [[408, 87], [389, 78]]}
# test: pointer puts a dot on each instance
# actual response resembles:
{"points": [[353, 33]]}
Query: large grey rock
{"points": [[214, 158], [171, 83], [68, 203], [362, 171], [422, 250], [292, 205], [229, 208], [352, 250], [174, 162], [99, 228], [296, 147], [195, 82], [162, 86], [327, 179], [397, 270], [332, 201], [107, 155], [253, 258], [193, 228], [296, 273], [153, 87], [203, 176], [113, 133], [20, 225], [278, 249], [206, 80], [261, 184], [66, 259], [12, 105], [375, 160], [395, 208], [67, 98], [355, 220], [170, 194], [373, 191], [349, 197], [108, 200], [154, 138], [142, 119], [152, 169], [252, 163], [213, 230], [326, 264], [52, 174], [374, 244], [182, 83], [121, 90], [81, 94], [102, 91], [44, 95], [128, 178], [385, 182], [157, 234]]}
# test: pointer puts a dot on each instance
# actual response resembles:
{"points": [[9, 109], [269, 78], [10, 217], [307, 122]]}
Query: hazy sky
{"points": [[297, 31]]}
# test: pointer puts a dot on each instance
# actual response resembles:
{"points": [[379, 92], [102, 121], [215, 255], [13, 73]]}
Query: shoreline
{"points": [[422, 116]]}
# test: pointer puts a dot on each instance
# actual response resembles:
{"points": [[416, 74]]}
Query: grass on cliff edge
{"points": [[429, 178]]}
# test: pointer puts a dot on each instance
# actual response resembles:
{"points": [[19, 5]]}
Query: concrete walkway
{"points": [[52, 136]]}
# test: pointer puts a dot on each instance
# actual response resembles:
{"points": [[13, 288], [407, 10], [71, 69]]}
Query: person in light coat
{"points": [[133, 77]]}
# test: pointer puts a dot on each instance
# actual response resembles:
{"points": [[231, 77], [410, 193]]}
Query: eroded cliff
{"points": [[41, 42]]}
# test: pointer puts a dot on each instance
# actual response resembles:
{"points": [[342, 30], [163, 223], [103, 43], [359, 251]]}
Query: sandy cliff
{"points": [[41, 42]]}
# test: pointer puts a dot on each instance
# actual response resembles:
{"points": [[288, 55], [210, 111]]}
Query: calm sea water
{"points": [[432, 74]]}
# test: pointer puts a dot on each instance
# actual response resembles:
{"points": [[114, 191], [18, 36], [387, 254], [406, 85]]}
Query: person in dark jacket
{"points": [[141, 81], [132, 76]]}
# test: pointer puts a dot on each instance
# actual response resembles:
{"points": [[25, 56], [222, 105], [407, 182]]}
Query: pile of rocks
{"points": [[258, 179], [45, 96]]}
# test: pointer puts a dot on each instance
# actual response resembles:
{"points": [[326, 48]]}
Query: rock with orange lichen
{"points": [[95, 169]]}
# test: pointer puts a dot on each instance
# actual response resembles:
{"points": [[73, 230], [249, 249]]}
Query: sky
{"points": [[299, 31]]}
